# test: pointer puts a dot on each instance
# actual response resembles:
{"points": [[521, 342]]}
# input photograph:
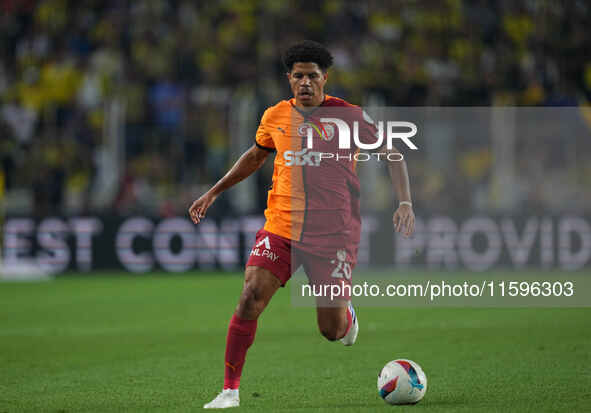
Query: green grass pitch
{"points": [[120, 343]]}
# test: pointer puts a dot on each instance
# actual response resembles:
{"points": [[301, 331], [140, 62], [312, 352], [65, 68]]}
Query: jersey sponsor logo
{"points": [[266, 251], [301, 158]]}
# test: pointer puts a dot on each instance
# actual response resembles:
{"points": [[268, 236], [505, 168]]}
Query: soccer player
{"points": [[312, 215]]}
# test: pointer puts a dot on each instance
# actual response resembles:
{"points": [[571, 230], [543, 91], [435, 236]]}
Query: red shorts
{"points": [[278, 255]]}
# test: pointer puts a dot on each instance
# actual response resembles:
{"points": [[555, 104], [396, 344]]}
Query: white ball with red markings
{"points": [[402, 381]]}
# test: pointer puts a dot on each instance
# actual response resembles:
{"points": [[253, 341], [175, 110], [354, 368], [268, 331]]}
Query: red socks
{"points": [[240, 337]]}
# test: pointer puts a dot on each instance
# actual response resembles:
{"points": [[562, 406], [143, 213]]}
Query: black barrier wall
{"points": [[141, 244]]}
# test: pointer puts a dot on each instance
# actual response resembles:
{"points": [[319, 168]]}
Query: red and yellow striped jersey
{"points": [[314, 197]]}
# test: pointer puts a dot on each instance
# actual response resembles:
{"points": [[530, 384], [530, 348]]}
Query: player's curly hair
{"points": [[307, 51]]}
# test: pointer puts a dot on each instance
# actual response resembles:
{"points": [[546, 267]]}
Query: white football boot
{"points": [[351, 336], [227, 398]]}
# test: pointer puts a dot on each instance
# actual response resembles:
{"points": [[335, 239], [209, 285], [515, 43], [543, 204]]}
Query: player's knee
{"points": [[251, 303]]}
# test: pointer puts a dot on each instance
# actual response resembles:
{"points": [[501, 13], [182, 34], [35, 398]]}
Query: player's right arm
{"points": [[249, 162]]}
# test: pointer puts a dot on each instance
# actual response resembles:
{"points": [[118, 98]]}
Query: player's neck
{"points": [[312, 106]]}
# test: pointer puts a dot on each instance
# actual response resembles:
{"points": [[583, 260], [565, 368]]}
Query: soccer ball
{"points": [[402, 381]]}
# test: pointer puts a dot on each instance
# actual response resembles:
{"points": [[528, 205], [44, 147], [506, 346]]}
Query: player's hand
{"points": [[199, 207], [404, 219]]}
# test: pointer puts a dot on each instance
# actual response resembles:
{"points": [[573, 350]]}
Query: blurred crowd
{"points": [[173, 70]]}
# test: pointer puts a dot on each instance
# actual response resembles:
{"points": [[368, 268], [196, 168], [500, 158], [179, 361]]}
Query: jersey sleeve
{"points": [[263, 138], [368, 131]]}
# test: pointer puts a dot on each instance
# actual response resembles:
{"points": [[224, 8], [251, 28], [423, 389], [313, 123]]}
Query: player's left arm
{"points": [[404, 217]]}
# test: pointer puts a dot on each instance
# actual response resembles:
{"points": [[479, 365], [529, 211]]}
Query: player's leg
{"points": [[260, 284], [335, 314], [333, 322], [267, 269], [259, 287], [338, 321]]}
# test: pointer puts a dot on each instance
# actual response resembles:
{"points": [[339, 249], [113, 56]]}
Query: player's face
{"points": [[307, 84]]}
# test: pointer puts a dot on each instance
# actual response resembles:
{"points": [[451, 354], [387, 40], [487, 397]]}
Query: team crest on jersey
{"points": [[326, 132]]}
